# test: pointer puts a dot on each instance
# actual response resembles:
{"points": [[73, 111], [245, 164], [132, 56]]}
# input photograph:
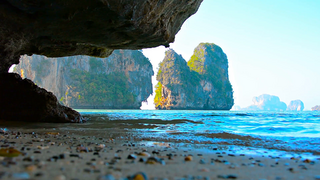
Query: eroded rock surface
{"points": [[120, 81], [22, 100], [57, 28], [201, 83]]}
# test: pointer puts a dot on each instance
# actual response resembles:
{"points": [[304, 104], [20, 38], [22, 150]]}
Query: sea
{"points": [[288, 133]]}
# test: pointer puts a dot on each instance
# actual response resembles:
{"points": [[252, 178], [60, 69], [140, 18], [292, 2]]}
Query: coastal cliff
{"points": [[200, 83], [121, 81]]}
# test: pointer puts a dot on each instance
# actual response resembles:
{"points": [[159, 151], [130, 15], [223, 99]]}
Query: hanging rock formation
{"points": [[295, 105], [120, 81], [57, 28], [200, 83]]}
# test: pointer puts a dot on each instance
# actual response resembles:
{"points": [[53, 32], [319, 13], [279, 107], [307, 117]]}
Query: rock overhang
{"points": [[57, 28]]}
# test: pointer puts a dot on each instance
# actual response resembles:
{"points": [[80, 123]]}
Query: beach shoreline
{"points": [[61, 155]]}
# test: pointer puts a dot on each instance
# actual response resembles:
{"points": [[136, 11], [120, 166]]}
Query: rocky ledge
{"points": [[64, 28], [22, 100]]}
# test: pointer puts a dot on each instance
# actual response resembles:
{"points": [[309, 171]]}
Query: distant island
{"points": [[202, 83], [266, 102], [121, 81], [316, 108], [295, 105]]}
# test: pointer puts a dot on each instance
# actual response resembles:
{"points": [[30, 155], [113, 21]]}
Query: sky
{"points": [[273, 47]]}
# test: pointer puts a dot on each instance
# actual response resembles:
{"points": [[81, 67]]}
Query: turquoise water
{"points": [[288, 131]]}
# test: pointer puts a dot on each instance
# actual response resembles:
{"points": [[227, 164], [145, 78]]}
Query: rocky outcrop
{"points": [[122, 81], [95, 28], [200, 83], [295, 105], [316, 108], [22, 100], [266, 102]]}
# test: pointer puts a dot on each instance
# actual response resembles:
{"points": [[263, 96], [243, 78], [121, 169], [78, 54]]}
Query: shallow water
{"points": [[286, 131]]}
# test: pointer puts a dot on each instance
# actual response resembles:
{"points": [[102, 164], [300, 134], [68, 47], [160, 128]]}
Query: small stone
{"points": [[231, 155], [132, 156], [291, 170], [154, 160], [188, 158], [230, 176], [59, 177], [139, 176], [28, 159], [31, 168], [38, 174], [202, 161], [74, 155], [144, 154], [43, 147], [204, 170], [307, 161]]}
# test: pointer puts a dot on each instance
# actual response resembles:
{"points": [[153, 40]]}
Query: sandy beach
{"points": [[59, 156]]}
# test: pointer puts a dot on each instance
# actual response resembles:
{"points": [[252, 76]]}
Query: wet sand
{"points": [[59, 156]]}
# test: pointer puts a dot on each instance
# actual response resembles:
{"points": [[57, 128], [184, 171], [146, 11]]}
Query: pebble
{"points": [[139, 176], [188, 158], [204, 170], [144, 154], [202, 161], [230, 176], [31, 168], [132, 156], [154, 160], [317, 177], [59, 177]]}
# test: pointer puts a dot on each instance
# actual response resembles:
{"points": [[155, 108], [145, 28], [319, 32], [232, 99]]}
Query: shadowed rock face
{"points": [[57, 28], [22, 100]]}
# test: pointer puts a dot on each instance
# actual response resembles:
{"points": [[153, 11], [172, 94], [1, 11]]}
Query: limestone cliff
{"points": [[295, 105], [123, 80], [200, 83]]}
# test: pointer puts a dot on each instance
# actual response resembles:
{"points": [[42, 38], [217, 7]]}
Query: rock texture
{"points": [[266, 102], [22, 100], [316, 108], [96, 27], [202, 83], [295, 105], [122, 81], [57, 28]]}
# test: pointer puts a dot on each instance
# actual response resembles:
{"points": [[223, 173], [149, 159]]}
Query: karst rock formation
{"points": [[202, 83], [58, 28]]}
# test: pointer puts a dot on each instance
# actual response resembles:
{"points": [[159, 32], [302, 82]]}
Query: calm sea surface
{"points": [[289, 131], [280, 131]]}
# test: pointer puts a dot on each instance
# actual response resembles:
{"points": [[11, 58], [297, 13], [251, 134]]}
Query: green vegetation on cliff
{"points": [[98, 89], [158, 96], [200, 83]]}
